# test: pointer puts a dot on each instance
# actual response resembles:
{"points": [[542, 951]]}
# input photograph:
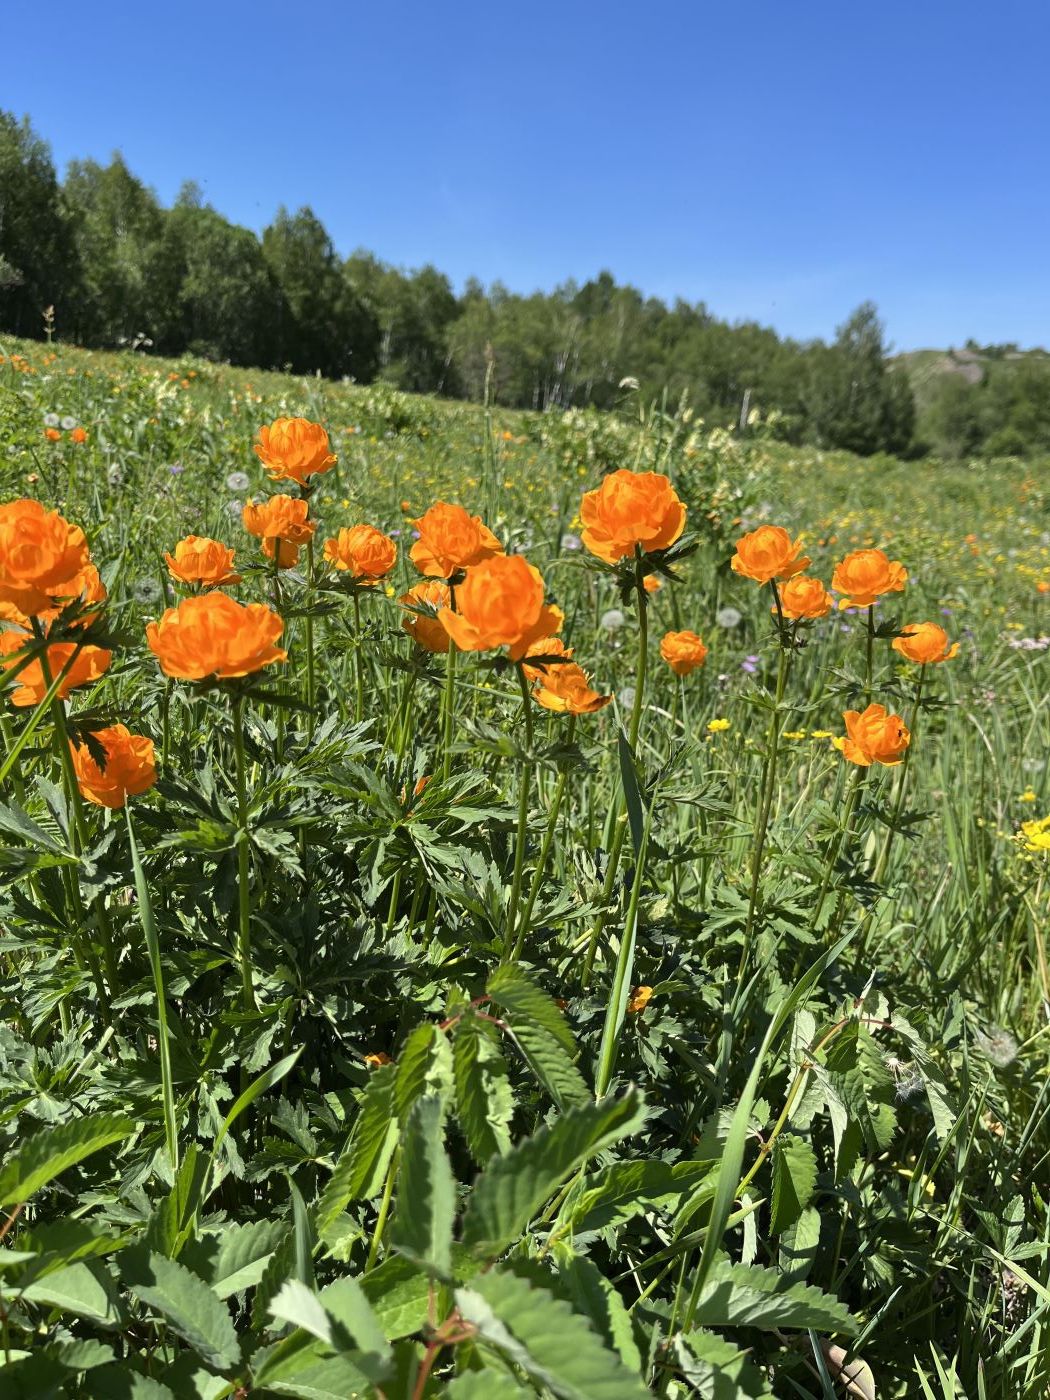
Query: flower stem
{"points": [[884, 857], [545, 849], [449, 711], [509, 946], [619, 825], [869, 664], [244, 932], [311, 679], [835, 849], [359, 660]]}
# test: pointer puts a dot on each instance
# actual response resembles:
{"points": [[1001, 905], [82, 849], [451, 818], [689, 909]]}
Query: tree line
{"points": [[119, 269]]}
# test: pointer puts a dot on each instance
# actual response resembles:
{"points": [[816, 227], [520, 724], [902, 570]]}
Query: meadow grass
{"points": [[657, 1048]]}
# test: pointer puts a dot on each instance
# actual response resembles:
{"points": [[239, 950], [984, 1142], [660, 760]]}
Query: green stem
{"points": [[384, 1211], [545, 849], [311, 679], [449, 710], [884, 857], [620, 826], [520, 838], [244, 931], [835, 850], [359, 660], [768, 787], [869, 663]]}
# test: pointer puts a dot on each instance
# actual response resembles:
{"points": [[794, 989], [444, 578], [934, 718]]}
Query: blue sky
{"points": [[781, 160]]}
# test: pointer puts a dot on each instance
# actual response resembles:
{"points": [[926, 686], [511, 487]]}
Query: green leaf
{"points": [[234, 1258], [51, 1151], [487, 1385], [794, 1177], [424, 1066], [360, 1170], [303, 1235], [346, 1301], [741, 1295], [83, 1289], [626, 1189], [306, 1372], [119, 1382], [266, 1080], [189, 1307], [551, 1065], [426, 1197], [513, 1187], [541, 1334], [399, 1295], [540, 1031], [510, 988], [580, 1282], [719, 1369], [484, 1102], [798, 1246]]}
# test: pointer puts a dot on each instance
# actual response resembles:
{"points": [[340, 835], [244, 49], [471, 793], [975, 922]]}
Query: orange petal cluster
{"points": [[873, 736], [804, 597], [631, 510], [683, 652], [213, 636], [89, 663], [501, 604], [424, 601], [294, 449], [768, 553], [925, 643], [865, 575], [202, 561], [450, 539], [566, 690], [129, 770], [362, 551], [41, 557]]}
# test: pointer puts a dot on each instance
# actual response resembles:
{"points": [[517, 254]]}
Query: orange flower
{"points": [[500, 603], [31, 685], [362, 551], [566, 690], [640, 998], [52, 435], [40, 556], [129, 767], [78, 435], [630, 509], [279, 518], [1043, 586], [683, 652], [200, 560], [546, 646], [294, 449], [84, 587], [450, 540], [768, 553], [379, 1057], [865, 575], [425, 601], [925, 643], [652, 584], [211, 635], [804, 597], [873, 736]]}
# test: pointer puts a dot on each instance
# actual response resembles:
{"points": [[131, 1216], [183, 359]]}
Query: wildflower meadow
{"points": [[500, 904]]}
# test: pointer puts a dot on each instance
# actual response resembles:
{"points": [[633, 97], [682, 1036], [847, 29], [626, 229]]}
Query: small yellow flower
{"points": [[793, 734], [1036, 834], [1028, 796], [718, 726], [822, 734]]}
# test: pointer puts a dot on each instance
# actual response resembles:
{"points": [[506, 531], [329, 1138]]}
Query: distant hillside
{"points": [[991, 399]]}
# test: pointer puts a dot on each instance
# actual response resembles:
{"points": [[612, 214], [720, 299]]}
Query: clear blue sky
{"points": [[780, 160]]}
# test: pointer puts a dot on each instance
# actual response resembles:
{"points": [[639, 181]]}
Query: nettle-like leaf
{"points": [[52, 1151], [541, 1033], [360, 1170], [794, 1178], [426, 1198], [553, 1345], [513, 1187], [424, 1066], [189, 1307], [742, 1295], [484, 1101], [718, 1369]]}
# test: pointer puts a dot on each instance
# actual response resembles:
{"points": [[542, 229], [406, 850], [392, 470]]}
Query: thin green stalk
{"points": [[149, 928], [884, 857], [620, 827], [359, 660], [869, 663], [448, 716], [244, 932], [311, 679], [768, 787], [835, 849], [384, 1211], [521, 832], [545, 848]]}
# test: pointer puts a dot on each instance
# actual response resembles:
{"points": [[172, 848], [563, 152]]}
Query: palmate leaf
{"points": [[426, 1198], [188, 1306], [513, 1187], [741, 1295], [540, 1333], [484, 1102], [794, 1177], [50, 1152]]}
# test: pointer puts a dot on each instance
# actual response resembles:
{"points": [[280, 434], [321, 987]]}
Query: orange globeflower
{"points": [[566, 690], [32, 685], [804, 597], [500, 603], [865, 575], [630, 509], [52, 435], [425, 601], [546, 646], [78, 435], [200, 560], [640, 999], [362, 551], [768, 553], [925, 643], [449, 540], [652, 584], [873, 736], [683, 652], [294, 449], [129, 769], [84, 587], [40, 556], [212, 635], [279, 518]]}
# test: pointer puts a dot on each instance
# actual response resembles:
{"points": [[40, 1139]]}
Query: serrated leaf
{"points": [[580, 1282], [742, 1295], [513, 1187], [510, 988], [486, 1385], [399, 1295], [52, 1151], [426, 1197], [190, 1309], [798, 1245], [119, 1382], [360, 1170], [310, 1375], [542, 1335], [424, 1066], [346, 1301], [484, 1102], [234, 1258], [719, 1370], [83, 1289], [626, 1189], [794, 1177]]}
